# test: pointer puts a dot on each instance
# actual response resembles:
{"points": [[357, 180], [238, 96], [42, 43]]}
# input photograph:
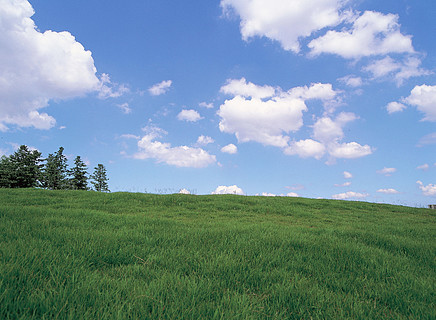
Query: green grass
{"points": [[87, 255]]}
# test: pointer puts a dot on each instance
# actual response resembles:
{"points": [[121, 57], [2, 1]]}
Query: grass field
{"points": [[88, 255]]}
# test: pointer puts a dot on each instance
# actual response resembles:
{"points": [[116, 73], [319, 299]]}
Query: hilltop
{"points": [[82, 254]]}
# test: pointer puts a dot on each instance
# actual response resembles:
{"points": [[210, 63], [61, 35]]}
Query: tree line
{"points": [[26, 169]]}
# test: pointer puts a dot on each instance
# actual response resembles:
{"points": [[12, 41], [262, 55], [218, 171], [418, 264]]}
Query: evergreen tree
{"points": [[55, 171], [79, 178], [22, 169], [6, 172], [100, 179]]}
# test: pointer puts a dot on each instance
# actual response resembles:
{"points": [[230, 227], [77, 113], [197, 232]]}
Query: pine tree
{"points": [[22, 169], [55, 171], [79, 178], [100, 179], [6, 172]]}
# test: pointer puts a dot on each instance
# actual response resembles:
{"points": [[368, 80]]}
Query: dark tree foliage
{"points": [[78, 175], [100, 179], [56, 170], [22, 169]]}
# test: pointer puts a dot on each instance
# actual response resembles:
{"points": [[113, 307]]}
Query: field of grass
{"points": [[88, 255]]}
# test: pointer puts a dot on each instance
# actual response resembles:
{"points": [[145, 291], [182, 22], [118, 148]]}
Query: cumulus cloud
{"points": [[184, 191], [347, 175], [372, 33], [428, 190], [424, 98], [350, 150], [160, 88], [204, 140], [268, 194], [399, 71], [37, 67], [388, 191], [285, 21], [247, 89], [292, 194], [262, 121], [206, 105], [387, 171], [230, 149], [306, 149], [349, 195], [320, 91], [182, 156], [393, 107], [265, 114], [189, 115], [228, 190], [330, 133]]}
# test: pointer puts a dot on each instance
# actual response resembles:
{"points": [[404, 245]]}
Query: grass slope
{"points": [[87, 255]]}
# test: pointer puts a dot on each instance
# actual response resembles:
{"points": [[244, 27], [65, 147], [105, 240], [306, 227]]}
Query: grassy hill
{"points": [[88, 255]]}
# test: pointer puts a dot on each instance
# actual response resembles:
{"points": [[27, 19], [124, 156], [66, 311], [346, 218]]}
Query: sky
{"points": [[330, 99]]}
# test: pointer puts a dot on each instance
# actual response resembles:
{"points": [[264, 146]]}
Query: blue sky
{"points": [[317, 98]]}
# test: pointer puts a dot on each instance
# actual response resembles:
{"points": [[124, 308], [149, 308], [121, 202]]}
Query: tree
{"points": [[6, 172], [22, 169], [100, 179], [79, 178], [55, 171]]}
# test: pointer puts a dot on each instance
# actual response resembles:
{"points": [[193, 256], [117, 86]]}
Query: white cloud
{"points": [[262, 121], [160, 88], [320, 91], [292, 194], [330, 133], [267, 194], [285, 21], [182, 156], [351, 81], [130, 136], [306, 148], [228, 190], [270, 121], [398, 71], [125, 108], [388, 191], [108, 89], [184, 191], [349, 195], [387, 171], [424, 98], [206, 105], [428, 190], [345, 184], [424, 167], [204, 140], [189, 115], [242, 88], [347, 175], [230, 148], [393, 107], [350, 150], [37, 67], [373, 33], [427, 139]]}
